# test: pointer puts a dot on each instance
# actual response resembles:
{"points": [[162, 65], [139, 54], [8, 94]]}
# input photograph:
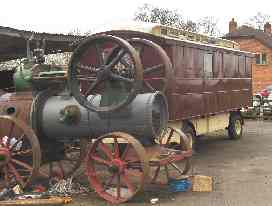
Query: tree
{"points": [[258, 21], [191, 26], [75, 32], [164, 16], [208, 25]]}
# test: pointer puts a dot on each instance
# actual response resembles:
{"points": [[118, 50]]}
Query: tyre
{"points": [[235, 128]]}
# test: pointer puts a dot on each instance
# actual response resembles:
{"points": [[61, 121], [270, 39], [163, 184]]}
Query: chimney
{"points": [[267, 28], [232, 26]]}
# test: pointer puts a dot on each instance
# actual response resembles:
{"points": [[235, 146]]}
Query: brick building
{"points": [[259, 42]]}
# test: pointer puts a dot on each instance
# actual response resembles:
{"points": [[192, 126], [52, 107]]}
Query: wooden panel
{"points": [[194, 62]]}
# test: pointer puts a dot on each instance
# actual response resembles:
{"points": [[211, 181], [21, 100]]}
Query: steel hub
{"points": [[103, 74]]}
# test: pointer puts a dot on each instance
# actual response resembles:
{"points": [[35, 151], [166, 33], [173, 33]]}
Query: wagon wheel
{"points": [[20, 153], [73, 154], [116, 176], [176, 140], [157, 67], [108, 66]]}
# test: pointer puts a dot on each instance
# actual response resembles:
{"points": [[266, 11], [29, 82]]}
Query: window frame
{"points": [[261, 58], [211, 73]]}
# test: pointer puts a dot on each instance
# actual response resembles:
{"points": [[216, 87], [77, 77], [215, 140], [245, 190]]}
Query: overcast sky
{"points": [[62, 16]]}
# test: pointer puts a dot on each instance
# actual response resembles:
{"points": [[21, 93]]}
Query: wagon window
{"points": [[242, 66], [208, 65], [217, 68], [194, 63], [230, 65]]}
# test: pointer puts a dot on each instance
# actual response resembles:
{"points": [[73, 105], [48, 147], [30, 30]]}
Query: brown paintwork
{"points": [[192, 95]]}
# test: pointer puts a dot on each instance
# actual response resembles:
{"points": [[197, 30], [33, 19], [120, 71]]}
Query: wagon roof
{"points": [[167, 32], [13, 42]]}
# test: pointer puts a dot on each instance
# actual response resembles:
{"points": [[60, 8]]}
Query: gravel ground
{"points": [[241, 170]]}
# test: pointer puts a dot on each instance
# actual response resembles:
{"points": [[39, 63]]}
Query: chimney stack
{"points": [[267, 28], [232, 26]]}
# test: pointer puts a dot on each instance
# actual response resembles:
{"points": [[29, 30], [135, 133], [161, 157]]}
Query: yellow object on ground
{"points": [[41, 202], [201, 183]]}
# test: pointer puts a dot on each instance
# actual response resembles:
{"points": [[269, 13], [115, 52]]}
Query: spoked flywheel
{"points": [[107, 66], [20, 153], [117, 166], [157, 67], [177, 141]]}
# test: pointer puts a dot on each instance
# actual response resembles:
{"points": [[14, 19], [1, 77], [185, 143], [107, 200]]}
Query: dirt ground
{"points": [[241, 170]]}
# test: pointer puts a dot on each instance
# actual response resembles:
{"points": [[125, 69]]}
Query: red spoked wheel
{"points": [[20, 153], [117, 167], [176, 141], [73, 155], [157, 67]]}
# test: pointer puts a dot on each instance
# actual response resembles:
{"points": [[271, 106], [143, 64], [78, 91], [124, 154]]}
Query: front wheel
{"points": [[235, 128]]}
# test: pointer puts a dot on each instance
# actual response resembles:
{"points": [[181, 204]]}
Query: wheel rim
{"points": [[157, 67], [74, 153], [116, 176], [100, 64], [19, 153], [238, 127], [177, 140]]}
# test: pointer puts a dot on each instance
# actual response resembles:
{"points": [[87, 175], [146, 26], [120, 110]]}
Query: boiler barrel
{"points": [[54, 127], [144, 118]]}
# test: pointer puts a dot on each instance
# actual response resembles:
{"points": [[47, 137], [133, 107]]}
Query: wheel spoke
{"points": [[169, 136], [115, 60], [121, 78], [110, 180], [118, 186], [148, 85], [17, 175], [106, 150], [116, 149], [124, 155], [93, 85], [22, 164], [100, 160], [24, 152], [128, 184], [153, 69]]}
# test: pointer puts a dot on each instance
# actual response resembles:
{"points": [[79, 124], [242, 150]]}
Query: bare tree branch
{"points": [[258, 21]]}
